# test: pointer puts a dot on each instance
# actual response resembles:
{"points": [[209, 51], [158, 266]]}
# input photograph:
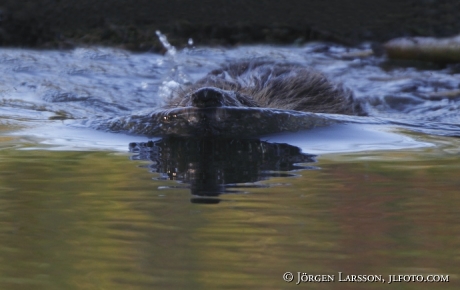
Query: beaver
{"points": [[266, 84], [244, 99]]}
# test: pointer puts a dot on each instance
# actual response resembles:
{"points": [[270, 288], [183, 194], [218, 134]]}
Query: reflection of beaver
{"points": [[268, 85], [214, 166]]}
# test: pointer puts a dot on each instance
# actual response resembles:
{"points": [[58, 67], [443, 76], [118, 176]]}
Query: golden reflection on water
{"points": [[96, 220]]}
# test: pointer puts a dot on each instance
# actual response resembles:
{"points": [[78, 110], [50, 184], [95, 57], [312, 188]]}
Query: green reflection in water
{"points": [[96, 220]]}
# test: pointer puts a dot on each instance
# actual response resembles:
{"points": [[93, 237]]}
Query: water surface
{"points": [[78, 211]]}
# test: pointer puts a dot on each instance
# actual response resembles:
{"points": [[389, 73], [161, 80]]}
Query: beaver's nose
{"points": [[207, 97]]}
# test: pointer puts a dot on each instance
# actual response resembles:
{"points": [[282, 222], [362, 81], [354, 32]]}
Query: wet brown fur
{"points": [[274, 85]]}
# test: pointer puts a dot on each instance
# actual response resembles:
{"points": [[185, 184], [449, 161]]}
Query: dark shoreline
{"points": [[131, 24]]}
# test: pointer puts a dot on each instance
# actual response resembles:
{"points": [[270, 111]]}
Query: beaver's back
{"points": [[271, 85]]}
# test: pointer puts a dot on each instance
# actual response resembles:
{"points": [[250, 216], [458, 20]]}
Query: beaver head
{"points": [[207, 97], [246, 99]]}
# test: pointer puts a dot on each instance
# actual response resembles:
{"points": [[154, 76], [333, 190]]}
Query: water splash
{"points": [[170, 50]]}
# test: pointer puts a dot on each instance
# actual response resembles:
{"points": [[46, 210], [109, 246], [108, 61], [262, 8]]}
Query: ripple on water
{"points": [[85, 83]]}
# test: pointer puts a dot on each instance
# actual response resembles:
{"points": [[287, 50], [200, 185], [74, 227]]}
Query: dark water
{"points": [[79, 211]]}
